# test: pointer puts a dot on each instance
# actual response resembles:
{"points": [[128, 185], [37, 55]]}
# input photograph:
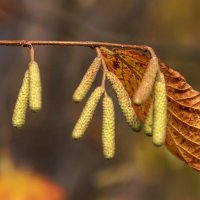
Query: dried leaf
{"points": [[183, 110]]}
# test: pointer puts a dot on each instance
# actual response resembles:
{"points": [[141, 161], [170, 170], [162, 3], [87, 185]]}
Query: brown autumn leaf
{"points": [[183, 126]]}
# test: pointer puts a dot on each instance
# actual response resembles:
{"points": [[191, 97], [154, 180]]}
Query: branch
{"points": [[91, 44]]}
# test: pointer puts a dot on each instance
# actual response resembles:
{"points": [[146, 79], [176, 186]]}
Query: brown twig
{"points": [[91, 44]]}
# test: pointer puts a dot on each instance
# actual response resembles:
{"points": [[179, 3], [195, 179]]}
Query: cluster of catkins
{"points": [[155, 123], [29, 95], [152, 82]]}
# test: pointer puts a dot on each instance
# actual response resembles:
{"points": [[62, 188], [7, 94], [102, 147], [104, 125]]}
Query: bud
{"points": [[19, 114], [145, 88], [87, 80], [35, 102], [124, 102], [108, 128], [160, 111], [87, 113]]}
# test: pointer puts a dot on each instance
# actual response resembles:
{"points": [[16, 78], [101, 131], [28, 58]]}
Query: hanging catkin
{"points": [[108, 128], [124, 102], [146, 86], [160, 111], [87, 113], [19, 114], [148, 124], [87, 80], [35, 101]]}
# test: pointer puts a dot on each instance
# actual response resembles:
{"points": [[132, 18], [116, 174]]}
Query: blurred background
{"points": [[139, 170]]}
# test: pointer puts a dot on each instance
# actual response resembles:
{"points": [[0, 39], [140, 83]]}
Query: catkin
{"points": [[108, 128], [145, 88], [87, 80], [19, 114], [160, 111], [124, 102], [35, 102], [148, 124], [87, 113]]}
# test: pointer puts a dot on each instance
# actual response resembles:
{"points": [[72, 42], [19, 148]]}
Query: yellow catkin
{"points": [[108, 128], [35, 101], [87, 113], [87, 80], [124, 102], [146, 86], [160, 111], [148, 124], [19, 114]]}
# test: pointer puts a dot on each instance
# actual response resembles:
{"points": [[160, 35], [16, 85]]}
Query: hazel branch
{"points": [[91, 44]]}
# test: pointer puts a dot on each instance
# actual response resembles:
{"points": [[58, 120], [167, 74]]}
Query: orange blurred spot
{"points": [[21, 185]]}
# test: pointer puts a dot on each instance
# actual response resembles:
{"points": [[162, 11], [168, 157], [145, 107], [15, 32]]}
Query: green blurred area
{"points": [[140, 170]]}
